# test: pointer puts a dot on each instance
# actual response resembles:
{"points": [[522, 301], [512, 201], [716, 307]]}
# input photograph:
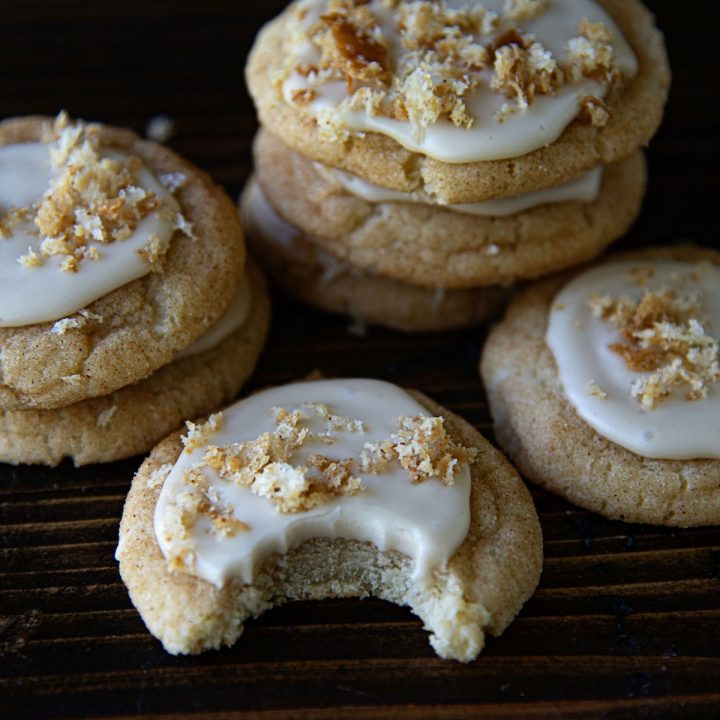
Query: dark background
{"points": [[626, 621]]}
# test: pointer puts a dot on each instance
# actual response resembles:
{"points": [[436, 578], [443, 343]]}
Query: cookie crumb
{"points": [[198, 435], [593, 111], [594, 390], [524, 9], [424, 449], [71, 323], [158, 476], [104, 419], [160, 128], [31, 259], [264, 465], [663, 334]]}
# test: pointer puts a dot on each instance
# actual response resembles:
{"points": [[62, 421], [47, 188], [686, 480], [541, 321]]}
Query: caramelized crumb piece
{"points": [[593, 111], [664, 335], [423, 447]]}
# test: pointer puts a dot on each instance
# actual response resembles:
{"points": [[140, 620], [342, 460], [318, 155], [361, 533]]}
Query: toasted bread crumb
{"points": [[594, 390], [198, 435], [438, 63], [663, 334], [93, 200], [423, 447]]}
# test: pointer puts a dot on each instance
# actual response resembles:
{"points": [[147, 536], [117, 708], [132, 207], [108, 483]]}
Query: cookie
{"points": [[461, 542], [616, 433], [569, 95], [427, 245], [133, 419], [299, 266], [173, 287]]}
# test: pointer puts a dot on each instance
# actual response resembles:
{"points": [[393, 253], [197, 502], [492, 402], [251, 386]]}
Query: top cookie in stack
{"points": [[456, 145], [124, 306]]}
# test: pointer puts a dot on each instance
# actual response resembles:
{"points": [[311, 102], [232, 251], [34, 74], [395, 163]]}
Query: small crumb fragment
{"points": [[593, 111], [104, 419], [31, 259], [423, 447], [662, 334], [198, 435], [594, 390], [524, 9], [160, 128], [173, 181], [158, 476]]}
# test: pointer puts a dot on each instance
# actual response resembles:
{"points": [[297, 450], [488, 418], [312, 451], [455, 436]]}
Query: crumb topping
{"points": [[421, 60], [663, 334], [83, 318], [93, 200], [158, 476], [197, 500], [198, 435], [266, 467], [424, 449], [594, 390]]}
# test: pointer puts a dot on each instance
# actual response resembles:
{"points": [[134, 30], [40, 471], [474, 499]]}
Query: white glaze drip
{"points": [[233, 319], [585, 189]]}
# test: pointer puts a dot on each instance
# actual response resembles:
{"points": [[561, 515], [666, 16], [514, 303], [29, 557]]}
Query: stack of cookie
{"points": [[125, 301], [417, 157]]}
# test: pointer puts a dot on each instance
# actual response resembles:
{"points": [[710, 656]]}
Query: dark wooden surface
{"points": [[626, 621]]}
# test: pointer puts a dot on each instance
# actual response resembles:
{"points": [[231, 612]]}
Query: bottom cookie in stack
{"points": [[131, 420], [399, 259], [301, 267]]}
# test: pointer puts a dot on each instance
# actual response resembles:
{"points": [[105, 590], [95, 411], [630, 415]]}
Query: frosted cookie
{"points": [[299, 266], [406, 237], [334, 488], [606, 389], [115, 254], [133, 419], [465, 101]]}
